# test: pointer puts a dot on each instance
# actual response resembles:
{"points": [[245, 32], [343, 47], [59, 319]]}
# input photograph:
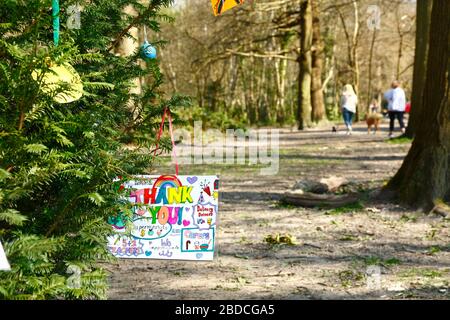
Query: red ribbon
{"points": [[161, 128]]}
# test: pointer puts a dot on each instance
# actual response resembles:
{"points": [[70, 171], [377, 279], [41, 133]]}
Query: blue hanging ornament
{"points": [[148, 51]]}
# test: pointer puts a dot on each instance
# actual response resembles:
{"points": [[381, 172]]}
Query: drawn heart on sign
{"points": [[186, 223], [199, 255], [187, 209], [148, 253], [192, 180]]}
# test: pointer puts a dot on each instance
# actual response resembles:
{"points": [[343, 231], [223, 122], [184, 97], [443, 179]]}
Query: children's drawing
{"points": [[174, 218]]}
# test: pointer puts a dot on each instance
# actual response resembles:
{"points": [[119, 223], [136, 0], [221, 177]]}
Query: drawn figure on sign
{"points": [[140, 211], [204, 215], [166, 253], [117, 222], [205, 246]]}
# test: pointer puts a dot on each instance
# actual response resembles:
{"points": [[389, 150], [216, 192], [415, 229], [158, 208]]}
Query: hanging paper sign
{"points": [[61, 74], [4, 265], [175, 217], [220, 6]]}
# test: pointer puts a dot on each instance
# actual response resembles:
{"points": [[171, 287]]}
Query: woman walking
{"points": [[349, 100]]}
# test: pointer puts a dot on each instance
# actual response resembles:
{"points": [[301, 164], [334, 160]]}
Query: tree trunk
{"points": [[424, 178], [317, 103], [369, 85], [305, 60], [420, 63], [355, 60], [352, 48], [399, 55]]}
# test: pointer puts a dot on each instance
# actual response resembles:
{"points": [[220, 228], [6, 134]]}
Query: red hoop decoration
{"points": [[161, 128]]}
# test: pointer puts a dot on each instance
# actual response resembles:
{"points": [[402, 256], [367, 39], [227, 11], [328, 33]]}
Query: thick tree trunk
{"points": [[420, 63], [424, 178], [317, 103], [304, 79]]}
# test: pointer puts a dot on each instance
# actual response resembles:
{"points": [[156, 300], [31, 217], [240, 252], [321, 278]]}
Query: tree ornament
{"points": [[148, 51], [60, 74], [63, 74]]}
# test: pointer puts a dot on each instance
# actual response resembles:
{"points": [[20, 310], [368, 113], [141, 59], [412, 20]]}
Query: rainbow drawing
{"points": [[167, 182]]}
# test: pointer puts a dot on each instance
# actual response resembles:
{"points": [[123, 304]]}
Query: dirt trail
{"points": [[338, 252]]}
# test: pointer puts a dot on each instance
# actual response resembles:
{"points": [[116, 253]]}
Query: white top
{"points": [[349, 102], [396, 99]]}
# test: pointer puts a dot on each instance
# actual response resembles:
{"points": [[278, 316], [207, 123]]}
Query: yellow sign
{"points": [[61, 74], [220, 6]]}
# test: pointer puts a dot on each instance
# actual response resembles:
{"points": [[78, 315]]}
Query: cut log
{"points": [[325, 185], [311, 186], [333, 183], [310, 200]]}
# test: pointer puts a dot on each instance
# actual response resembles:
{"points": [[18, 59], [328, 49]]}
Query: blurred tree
{"points": [[58, 160], [424, 178]]}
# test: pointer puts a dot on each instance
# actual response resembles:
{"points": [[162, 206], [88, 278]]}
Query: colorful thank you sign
{"points": [[175, 217]]}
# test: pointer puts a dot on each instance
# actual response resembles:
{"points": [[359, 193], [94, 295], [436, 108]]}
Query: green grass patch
{"points": [[349, 237], [406, 218], [400, 140], [424, 273], [284, 205], [373, 260], [434, 249], [354, 207], [351, 278]]}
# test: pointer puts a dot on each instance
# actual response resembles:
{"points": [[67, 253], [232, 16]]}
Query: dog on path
{"points": [[373, 118]]}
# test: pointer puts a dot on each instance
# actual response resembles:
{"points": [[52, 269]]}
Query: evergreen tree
{"points": [[58, 160]]}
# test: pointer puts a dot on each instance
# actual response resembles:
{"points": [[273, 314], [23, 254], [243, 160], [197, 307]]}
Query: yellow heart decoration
{"points": [[59, 74]]}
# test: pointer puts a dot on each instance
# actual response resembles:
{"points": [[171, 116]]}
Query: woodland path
{"points": [[335, 248]]}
